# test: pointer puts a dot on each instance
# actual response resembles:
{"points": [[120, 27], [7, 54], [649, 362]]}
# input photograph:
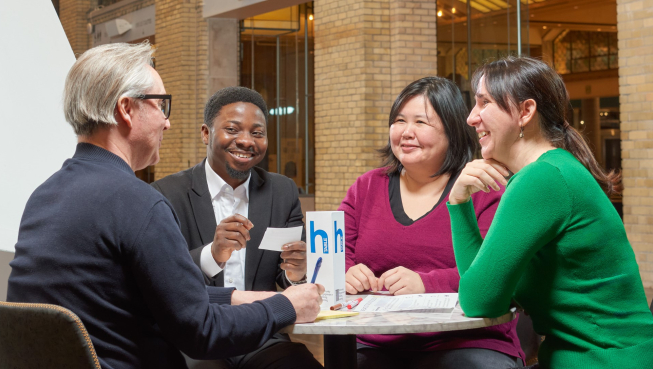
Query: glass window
{"points": [[472, 33], [583, 51], [277, 61]]}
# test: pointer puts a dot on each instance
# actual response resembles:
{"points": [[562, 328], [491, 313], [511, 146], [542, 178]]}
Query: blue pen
{"points": [[317, 269]]}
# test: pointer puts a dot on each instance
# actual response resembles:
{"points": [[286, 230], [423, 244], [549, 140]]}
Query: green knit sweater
{"points": [[558, 247]]}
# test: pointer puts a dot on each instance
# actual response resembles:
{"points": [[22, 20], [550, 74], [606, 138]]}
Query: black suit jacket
{"points": [[273, 202]]}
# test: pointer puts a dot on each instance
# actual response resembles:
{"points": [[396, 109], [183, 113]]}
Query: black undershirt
{"points": [[397, 205]]}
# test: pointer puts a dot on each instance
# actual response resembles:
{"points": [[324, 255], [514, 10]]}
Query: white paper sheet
{"points": [[437, 303], [274, 238]]}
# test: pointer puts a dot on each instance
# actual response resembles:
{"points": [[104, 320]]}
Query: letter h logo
{"points": [[338, 237], [323, 235]]}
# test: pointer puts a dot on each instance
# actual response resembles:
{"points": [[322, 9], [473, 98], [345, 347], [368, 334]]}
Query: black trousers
{"points": [[277, 353]]}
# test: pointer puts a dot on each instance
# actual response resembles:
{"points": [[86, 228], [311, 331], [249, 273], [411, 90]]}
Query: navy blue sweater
{"points": [[102, 243]]}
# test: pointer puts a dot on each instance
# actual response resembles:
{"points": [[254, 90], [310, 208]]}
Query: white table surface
{"points": [[396, 323]]}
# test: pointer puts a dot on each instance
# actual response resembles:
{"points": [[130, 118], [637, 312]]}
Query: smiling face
{"points": [[417, 136], [236, 142], [149, 124], [498, 131]]}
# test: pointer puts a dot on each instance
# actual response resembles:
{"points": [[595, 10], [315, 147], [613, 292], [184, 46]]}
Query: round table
{"points": [[340, 333]]}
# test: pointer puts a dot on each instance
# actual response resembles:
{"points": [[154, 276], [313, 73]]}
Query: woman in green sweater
{"points": [[556, 245]]}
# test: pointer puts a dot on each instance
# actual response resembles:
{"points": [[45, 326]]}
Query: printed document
{"points": [[439, 303]]}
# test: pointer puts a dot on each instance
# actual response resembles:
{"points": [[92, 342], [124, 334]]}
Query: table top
{"points": [[396, 323]]}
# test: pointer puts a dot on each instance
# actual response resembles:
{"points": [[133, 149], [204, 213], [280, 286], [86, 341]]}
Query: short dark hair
{"points": [[512, 80], [445, 98], [230, 95]]}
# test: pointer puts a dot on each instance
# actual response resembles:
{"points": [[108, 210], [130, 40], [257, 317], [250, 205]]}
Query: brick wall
{"points": [[182, 62], [365, 53], [635, 28], [412, 41], [72, 14]]}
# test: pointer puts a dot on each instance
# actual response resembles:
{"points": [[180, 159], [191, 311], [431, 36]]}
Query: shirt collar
{"points": [[217, 184]]}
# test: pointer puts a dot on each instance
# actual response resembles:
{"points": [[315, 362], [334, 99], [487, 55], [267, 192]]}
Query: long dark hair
{"points": [[512, 80], [448, 103]]}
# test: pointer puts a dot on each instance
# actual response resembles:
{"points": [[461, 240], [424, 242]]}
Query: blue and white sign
{"points": [[326, 254]]}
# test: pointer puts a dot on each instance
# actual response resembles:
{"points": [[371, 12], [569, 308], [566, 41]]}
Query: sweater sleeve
{"points": [[447, 280], [174, 292], [348, 205], [440, 280], [532, 212]]}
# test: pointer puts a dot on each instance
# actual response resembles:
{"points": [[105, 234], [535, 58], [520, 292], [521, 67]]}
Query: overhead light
{"points": [[439, 13], [282, 111], [543, 27], [310, 17], [582, 122], [453, 10], [598, 29]]}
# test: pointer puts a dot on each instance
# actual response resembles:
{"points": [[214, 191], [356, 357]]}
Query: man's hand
{"points": [[294, 260], [247, 297], [231, 235], [401, 281], [360, 278], [306, 300]]}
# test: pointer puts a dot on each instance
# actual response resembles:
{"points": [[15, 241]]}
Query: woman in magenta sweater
{"points": [[399, 234]]}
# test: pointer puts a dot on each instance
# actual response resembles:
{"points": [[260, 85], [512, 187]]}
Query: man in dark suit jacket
{"points": [[225, 205], [273, 202]]}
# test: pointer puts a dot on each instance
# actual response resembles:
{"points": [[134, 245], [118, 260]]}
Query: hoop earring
{"points": [[521, 132]]}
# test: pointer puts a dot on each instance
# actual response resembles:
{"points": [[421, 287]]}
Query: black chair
{"points": [[43, 336]]}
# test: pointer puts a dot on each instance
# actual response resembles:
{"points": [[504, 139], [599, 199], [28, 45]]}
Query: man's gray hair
{"points": [[100, 77]]}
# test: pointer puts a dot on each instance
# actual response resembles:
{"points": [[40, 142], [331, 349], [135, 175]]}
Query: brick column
{"points": [[412, 40], [635, 27], [224, 52], [365, 53], [182, 62], [72, 14]]}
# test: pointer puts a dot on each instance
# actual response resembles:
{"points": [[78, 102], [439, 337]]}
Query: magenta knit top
{"points": [[376, 239]]}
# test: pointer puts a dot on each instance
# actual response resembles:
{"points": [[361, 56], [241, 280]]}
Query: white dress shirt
{"points": [[226, 202]]}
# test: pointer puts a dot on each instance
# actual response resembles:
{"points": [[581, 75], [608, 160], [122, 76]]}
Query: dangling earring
{"points": [[521, 132]]}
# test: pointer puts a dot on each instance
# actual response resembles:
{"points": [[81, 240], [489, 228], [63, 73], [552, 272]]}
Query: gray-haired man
{"points": [[95, 239]]}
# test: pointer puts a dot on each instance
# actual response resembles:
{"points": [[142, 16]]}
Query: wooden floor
{"points": [[315, 343]]}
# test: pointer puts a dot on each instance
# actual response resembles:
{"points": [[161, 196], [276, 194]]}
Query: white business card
{"points": [[274, 238]]}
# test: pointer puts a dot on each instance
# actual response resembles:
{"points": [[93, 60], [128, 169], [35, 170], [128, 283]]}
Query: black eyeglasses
{"points": [[166, 102]]}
